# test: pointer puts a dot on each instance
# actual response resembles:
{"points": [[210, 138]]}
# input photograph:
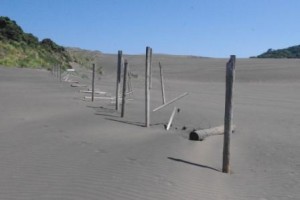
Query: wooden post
{"points": [[57, 72], [93, 82], [147, 91], [52, 72], [124, 88], [129, 82], [120, 59], [60, 73], [150, 76], [162, 84], [230, 75]]}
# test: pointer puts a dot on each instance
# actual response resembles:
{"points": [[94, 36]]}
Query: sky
{"points": [[210, 28]]}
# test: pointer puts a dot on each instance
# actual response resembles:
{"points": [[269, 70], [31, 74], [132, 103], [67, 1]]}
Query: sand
{"points": [[54, 145]]}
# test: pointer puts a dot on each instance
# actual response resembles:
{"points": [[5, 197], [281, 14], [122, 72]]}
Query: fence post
{"points": [[162, 84], [60, 73], [150, 65], [124, 88], [147, 91], [230, 76], [120, 59], [93, 82]]}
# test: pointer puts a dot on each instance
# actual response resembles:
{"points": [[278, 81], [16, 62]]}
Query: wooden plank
{"points": [[124, 88], [199, 135], [171, 119], [173, 100], [230, 76], [162, 84]]}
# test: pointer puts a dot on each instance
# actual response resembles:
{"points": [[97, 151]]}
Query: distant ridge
{"points": [[290, 52]]}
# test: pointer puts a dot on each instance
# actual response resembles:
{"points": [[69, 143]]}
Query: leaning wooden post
{"points": [[93, 82], [162, 84], [124, 88], [230, 75], [147, 91], [120, 59], [150, 76]]}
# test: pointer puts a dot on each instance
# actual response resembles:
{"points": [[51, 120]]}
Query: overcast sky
{"points": [[213, 28]]}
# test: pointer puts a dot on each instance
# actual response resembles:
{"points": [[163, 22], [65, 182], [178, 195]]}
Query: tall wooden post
{"points": [[150, 76], [162, 84], [124, 88], [230, 76], [93, 82], [147, 91], [119, 66]]}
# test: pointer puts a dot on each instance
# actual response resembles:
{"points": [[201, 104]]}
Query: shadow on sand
{"points": [[194, 164], [127, 122]]}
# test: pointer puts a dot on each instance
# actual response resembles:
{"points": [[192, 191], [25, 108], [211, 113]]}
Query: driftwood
{"points": [[173, 100], [200, 135]]}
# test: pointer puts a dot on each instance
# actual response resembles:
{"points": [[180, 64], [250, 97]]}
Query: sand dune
{"points": [[53, 145]]}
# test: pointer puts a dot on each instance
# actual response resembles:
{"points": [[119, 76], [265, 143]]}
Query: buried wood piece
{"points": [[124, 88], [89, 91], [199, 135], [173, 100], [162, 84], [78, 85], [171, 118]]}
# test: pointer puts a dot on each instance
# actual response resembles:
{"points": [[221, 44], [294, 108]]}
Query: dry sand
{"points": [[53, 145]]}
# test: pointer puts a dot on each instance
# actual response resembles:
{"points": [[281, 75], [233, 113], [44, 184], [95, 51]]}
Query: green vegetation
{"points": [[290, 52], [19, 49]]}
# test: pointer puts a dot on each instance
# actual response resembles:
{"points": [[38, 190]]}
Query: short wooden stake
{"points": [[147, 89], [93, 82], [124, 89], [162, 84], [173, 100], [171, 119], [230, 76], [119, 66]]}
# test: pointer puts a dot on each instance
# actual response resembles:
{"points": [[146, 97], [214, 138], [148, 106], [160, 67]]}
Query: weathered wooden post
{"points": [[129, 82], [150, 76], [120, 60], [147, 89], [162, 84], [93, 82], [60, 73], [57, 71], [230, 75], [124, 88]]}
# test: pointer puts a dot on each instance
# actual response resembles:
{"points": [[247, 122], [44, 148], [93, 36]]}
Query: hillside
{"points": [[290, 52], [20, 49]]}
